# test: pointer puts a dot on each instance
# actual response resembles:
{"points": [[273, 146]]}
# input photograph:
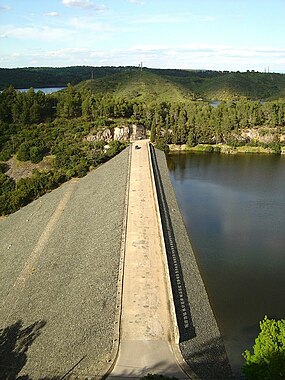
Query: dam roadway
{"points": [[146, 329]]}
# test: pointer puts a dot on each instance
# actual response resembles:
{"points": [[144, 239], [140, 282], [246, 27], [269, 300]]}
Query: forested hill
{"points": [[138, 85], [206, 84], [52, 76]]}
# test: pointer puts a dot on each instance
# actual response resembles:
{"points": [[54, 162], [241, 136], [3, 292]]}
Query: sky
{"points": [[183, 34]]}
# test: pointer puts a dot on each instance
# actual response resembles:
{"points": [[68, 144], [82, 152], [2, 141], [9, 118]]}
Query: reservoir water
{"points": [[234, 211], [46, 90]]}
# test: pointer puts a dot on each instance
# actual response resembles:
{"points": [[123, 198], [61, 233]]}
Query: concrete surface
{"points": [[146, 321]]}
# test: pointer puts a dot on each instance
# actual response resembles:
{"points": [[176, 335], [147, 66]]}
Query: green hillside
{"points": [[161, 84], [178, 85], [52, 76], [139, 85], [228, 85]]}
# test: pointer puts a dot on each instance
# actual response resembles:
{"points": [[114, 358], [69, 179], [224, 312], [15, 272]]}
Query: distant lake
{"points": [[234, 210], [46, 90]]}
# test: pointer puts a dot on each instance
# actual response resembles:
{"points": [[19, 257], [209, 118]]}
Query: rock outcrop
{"points": [[121, 133]]}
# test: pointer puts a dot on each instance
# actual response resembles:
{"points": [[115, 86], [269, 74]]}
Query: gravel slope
{"points": [[58, 277], [204, 352]]}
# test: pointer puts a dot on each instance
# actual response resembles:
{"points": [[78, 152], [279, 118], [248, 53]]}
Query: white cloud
{"points": [[63, 53], [84, 4], [91, 26], [191, 56], [165, 18], [138, 2], [34, 32], [5, 8], [51, 14]]}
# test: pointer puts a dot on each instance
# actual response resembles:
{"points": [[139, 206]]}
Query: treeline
{"points": [[60, 76], [34, 125], [52, 76], [195, 123]]}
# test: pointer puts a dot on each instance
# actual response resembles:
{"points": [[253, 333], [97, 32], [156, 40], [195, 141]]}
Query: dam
{"points": [[99, 280], [146, 325]]}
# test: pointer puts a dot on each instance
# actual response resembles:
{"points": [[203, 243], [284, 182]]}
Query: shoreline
{"points": [[223, 148]]}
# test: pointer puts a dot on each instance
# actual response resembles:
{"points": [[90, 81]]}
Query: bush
{"points": [[23, 153], [36, 154], [6, 183], [162, 146], [217, 149], [268, 359], [3, 167], [115, 147], [5, 154]]}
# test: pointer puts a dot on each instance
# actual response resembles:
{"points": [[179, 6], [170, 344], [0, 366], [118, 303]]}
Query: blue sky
{"points": [[189, 34]]}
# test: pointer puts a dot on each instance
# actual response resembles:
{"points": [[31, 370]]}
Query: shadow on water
{"points": [[15, 341]]}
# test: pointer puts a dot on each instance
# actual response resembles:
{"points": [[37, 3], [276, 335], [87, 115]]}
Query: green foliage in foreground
{"points": [[267, 362]]}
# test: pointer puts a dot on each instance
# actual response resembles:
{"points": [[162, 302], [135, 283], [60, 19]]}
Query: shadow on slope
{"points": [[15, 341], [209, 361]]}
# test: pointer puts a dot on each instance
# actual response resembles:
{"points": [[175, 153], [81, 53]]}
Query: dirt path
{"points": [[146, 322]]}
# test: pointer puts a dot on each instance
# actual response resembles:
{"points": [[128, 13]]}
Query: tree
{"points": [[23, 153], [153, 132], [36, 154], [69, 105], [268, 359], [191, 139]]}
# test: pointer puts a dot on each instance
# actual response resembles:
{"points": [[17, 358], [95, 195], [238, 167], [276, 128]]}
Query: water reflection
{"points": [[233, 207]]}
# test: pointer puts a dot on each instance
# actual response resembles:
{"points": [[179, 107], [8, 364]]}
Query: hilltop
{"points": [[170, 84]]}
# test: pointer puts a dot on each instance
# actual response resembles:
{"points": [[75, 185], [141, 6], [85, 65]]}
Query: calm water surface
{"points": [[234, 211], [46, 90]]}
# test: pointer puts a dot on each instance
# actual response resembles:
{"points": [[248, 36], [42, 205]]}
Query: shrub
{"points": [[5, 154], [162, 146], [267, 362], [36, 154], [6, 183], [3, 167], [23, 153], [217, 149]]}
